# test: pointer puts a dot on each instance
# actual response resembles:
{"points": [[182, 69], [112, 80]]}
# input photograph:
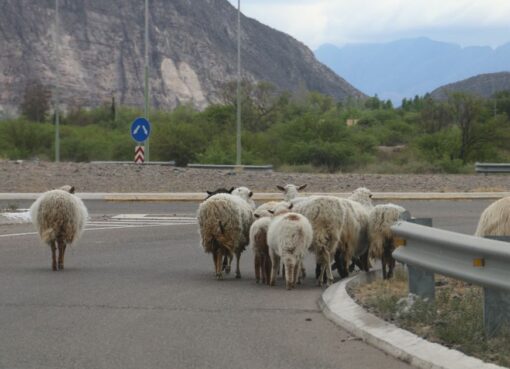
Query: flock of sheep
{"points": [[343, 232], [340, 232]]}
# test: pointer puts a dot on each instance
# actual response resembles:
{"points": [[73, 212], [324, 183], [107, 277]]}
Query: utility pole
{"points": [[57, 85], [238, 136], [146, 75]]}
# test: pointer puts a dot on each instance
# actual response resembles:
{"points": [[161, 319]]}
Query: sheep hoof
{"points": [[257, 281], [227, 270], [219, 276], [54, 268], [238, 275]]}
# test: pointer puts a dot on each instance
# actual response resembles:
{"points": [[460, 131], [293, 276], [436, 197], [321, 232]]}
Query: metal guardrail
{"points": [[487, 168], [227, 166], [170, 163], [480, 261]]}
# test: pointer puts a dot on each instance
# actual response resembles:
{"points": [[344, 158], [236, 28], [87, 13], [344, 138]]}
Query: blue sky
{"points": [[315, 22]]}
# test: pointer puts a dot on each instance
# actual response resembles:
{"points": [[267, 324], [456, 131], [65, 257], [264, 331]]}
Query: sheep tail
{"points": [[222, 228], [48, 235]]}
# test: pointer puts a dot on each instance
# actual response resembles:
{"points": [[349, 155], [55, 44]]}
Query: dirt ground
{"points": [[29, 176]]}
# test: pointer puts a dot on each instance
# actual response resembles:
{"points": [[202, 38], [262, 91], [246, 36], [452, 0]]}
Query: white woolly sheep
{"points": [[364, 196], [495, 219], [59, 217], [289, 236], [381, 240], [290, 191], [245, 194], [338, 224], [224, 223]]}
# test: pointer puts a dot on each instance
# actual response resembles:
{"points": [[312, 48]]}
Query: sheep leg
{"points": [[53, 255], [258, 268], [289, 276], [227, 262], [329, 273], [217, 257], [266, 263], [275, 261], [238, 259], [61, 253], [297, 273]]}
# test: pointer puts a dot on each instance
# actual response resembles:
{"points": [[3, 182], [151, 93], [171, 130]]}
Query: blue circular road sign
{"points": [[140, 129]]}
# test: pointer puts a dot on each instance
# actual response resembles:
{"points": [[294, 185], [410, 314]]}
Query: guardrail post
{"points": [[421, 281], [496, 304]]}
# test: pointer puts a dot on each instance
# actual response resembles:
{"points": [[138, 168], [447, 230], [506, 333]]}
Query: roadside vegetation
{"points": [[304, 131], [455, 319]]}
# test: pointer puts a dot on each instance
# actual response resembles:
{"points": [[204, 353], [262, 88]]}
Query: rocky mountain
{"points": [[405, 68], [193, 50], [484, 85]]}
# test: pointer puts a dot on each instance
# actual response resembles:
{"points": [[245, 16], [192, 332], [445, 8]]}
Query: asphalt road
{"points": [[140, 293]]}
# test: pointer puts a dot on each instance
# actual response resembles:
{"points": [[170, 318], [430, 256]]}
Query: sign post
{"points": [[140, 131]]}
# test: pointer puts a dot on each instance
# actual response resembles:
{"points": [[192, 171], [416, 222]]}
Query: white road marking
{"points": [[123, 221]]}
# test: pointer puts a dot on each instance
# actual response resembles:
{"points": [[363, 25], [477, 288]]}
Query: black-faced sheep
{"points": [[495, 219], [224, 223], [381, 240], [289, 236], [59, 217]]}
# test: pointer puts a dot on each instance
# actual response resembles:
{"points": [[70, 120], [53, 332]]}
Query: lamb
{"points": [[381, 240], [495, 219], [59, 217], [289, 236], [258, 243], [224, 223], [290, 191]]}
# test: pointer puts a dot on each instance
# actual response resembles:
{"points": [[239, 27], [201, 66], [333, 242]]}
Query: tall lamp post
{"points": [[146, 75], [238, 136], [57, 86]]}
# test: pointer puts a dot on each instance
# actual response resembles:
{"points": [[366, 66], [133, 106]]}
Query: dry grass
{"points": [[455, 320]]}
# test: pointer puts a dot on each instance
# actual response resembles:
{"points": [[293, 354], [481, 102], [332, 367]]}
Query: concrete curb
{"points": [[198, 196], [338, 306]]}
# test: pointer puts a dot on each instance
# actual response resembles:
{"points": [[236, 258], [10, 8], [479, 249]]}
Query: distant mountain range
{"points": [[484, 85], [409, 67]]}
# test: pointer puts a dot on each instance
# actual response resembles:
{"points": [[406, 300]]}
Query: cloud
{"points": [[347, 21]]}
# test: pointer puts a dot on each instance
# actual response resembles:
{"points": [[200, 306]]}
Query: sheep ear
{"points": [[209, 193], [271, 211], [251, 194], [370, 195], [256, 215], [71, 190], [291, 205], [302, 187], [231, 189], [280, 188]]}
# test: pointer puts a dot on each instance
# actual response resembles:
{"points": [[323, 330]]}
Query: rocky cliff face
{"points": [[193, 48]]}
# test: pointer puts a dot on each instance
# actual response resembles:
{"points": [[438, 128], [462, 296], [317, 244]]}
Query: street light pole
{"points": [[146, 75], [238, 136], [57, 85]]}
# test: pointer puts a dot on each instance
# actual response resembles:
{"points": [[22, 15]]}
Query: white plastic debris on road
{"points": [[18, 217]]}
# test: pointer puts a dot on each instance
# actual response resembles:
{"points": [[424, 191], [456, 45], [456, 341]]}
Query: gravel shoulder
{"points": [[28, 176]]}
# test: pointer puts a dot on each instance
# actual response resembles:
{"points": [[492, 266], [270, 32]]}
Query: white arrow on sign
{"points": [[144, 129], [136, 130]]}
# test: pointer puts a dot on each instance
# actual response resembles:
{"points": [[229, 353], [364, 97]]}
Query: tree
{"points": [[36, 101], [466, 110]]}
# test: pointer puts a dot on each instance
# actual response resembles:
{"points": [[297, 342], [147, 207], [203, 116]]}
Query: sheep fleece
{"points": [[227, 219], [59, 214]]}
